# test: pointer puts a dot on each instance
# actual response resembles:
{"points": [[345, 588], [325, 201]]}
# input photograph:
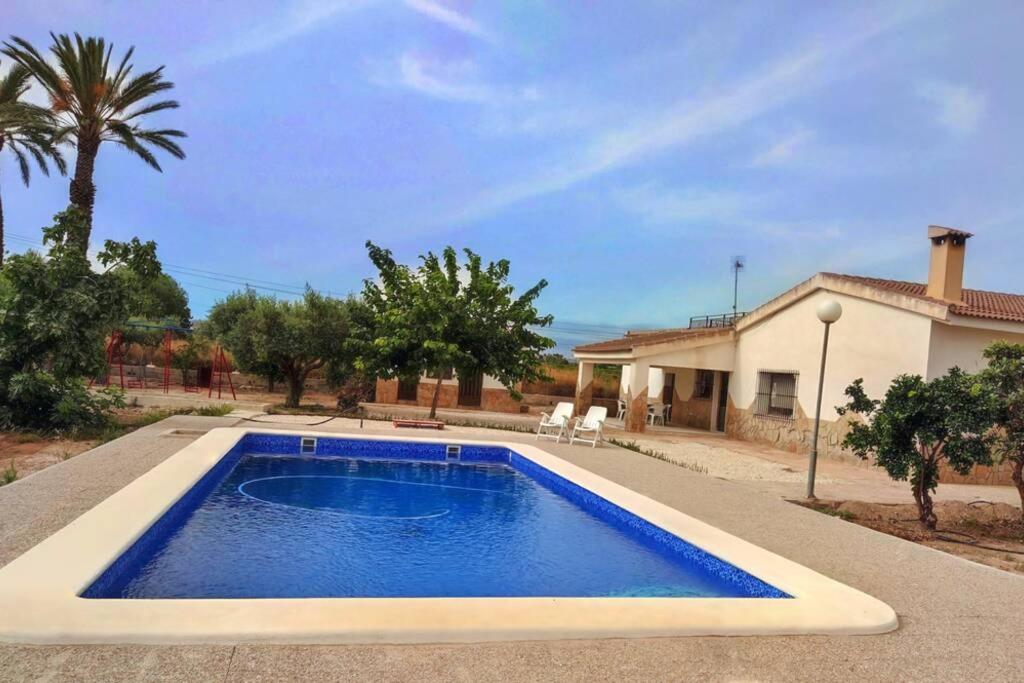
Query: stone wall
{"points": [[499, 401], [793, 434], [996, 475]]}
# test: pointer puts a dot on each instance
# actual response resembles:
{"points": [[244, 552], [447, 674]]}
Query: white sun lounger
{"points": [[589, 429], [557, 421]]}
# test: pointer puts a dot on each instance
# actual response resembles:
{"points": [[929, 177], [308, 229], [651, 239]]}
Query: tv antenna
{"points": [[738, 263]]}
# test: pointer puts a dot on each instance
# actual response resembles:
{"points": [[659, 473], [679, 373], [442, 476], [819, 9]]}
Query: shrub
{"points": [[9, 474], [38, 401]]}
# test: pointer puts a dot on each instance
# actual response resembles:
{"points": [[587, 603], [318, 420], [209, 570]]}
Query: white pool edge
{"points": [[39, 590]]}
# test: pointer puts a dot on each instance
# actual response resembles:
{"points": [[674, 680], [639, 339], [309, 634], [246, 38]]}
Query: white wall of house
{"points": [[953, 345], [871, 340], [655, 382]]}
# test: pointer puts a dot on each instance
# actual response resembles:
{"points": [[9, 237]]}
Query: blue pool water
{"points": [[326, 525]]}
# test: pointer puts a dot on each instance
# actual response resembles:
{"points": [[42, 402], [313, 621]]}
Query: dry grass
{"points": [[606, 382]]}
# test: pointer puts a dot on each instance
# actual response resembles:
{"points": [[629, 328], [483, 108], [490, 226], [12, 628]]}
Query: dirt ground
{"points": [[28, 453], [981, 531]]}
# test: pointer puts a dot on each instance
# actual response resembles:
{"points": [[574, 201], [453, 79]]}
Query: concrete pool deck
{"points": [[957, 619]]}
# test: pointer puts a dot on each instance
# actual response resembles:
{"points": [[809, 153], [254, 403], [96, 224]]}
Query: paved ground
{"points": [[959, 620]]}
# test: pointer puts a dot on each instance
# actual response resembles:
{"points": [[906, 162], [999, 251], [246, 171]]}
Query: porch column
{"points": [[584, 387], [636, 396]]}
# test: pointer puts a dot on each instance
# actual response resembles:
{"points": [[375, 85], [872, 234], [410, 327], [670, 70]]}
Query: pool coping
{"points": [[40, 589]]}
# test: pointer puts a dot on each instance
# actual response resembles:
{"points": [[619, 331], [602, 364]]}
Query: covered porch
{"points": [[670, 378]]}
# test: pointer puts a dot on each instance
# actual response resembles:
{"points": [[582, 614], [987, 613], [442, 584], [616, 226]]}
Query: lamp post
{"points": [[828, 312]]}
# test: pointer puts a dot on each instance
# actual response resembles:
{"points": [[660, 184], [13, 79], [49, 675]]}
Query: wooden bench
{"points": [[418, 424]]}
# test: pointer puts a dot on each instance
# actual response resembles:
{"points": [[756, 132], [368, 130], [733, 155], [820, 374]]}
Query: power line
{"points": [[566, 328]]}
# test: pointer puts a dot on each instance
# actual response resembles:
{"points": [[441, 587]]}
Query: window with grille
{"points": [[704, 385], [776, 394], [407, 388]]}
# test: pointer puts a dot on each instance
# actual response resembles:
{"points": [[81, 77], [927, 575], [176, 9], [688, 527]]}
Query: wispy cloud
{"points": [[656, 204], [660, 207], [455, 81], [958, 108], [685, 122], [783, 151], [297, 18], [450, 18]]}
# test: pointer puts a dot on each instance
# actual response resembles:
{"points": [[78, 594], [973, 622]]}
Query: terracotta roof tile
{"points": [[977, 303], [649, 337]]}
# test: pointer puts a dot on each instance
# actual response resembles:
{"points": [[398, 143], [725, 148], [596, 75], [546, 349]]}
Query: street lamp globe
{"points": [[829, 311]]}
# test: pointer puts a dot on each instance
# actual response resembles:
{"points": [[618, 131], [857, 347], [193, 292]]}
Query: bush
{"points": [[356, 389], [40, 402]]}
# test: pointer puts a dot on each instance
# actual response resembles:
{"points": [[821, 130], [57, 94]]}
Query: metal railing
{"points": [[720, 320]]}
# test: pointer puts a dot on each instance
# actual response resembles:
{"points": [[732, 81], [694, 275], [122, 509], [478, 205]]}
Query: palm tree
{"points": [[26, 130], [93, 104]]}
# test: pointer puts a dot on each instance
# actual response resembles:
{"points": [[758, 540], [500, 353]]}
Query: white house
{"points": [[756, 377]]}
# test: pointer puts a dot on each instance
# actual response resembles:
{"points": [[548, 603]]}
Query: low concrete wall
{"points": [[493, 400]]}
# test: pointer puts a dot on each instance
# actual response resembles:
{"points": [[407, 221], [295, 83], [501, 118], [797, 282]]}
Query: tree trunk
{"points": [[1, 215], [437, 395], [270, 384], [1018, 479], [82, 191], [295, 388], [923, 497], [1, 228]]}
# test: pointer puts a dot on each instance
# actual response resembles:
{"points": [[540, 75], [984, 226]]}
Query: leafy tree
{"points": [[288, 339], [445, 314], [557, 360], [919, 424], [159, 300], [1005, 379], [94, 103], [55, 315], [25, 130]]}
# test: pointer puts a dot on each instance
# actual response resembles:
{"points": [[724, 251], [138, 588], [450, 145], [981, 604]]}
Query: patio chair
{"points": [[557, 420], [657, 411], [621, 415], [589, 429]]}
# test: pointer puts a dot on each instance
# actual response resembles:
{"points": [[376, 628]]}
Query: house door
{"points": [[407, 388], [471, 385], [723, 401]]}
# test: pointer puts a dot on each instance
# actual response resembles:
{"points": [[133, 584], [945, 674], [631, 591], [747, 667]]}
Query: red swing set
{"points": [[221, 368]]}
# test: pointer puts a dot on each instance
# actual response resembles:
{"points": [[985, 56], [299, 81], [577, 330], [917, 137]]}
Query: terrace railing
{"points": [[720, 320]]}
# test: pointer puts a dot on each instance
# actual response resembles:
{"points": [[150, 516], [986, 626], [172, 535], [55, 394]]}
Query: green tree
{"points": [[94, 102], [287, 339], [159, 300], [443, 314], [1005, 379], [919, 424], [55, 315], [25, 130]]}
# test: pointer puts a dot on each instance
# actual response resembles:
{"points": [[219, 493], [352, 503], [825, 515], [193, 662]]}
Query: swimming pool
{"points": [[256, 535], [406, 520]]}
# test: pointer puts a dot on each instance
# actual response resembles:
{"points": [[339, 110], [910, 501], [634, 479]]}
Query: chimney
{"points": [[946, 270]]}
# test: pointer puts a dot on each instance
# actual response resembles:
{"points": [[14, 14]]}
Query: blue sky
{"points": [[623, 151]]}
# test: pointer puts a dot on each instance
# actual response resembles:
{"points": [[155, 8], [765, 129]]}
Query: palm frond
{"points": [[95, 96], [26, 175], [14, 84], [151, 109], [158, 138]]}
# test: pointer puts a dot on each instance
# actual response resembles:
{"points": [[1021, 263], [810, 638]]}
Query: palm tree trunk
{"points": [[1, 228], [82, 191], [2, 245]]}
